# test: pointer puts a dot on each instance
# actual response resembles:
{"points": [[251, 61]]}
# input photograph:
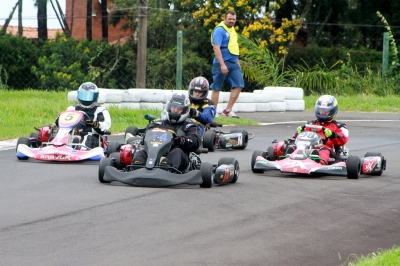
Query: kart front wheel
{"points": [[104, 162], [235, 163], [206, 170], [245, 137], [117, 157], [210, 140], [27, 142], [112, 147], [353, 165], [371, 154], [271, 155], [256, 153]]}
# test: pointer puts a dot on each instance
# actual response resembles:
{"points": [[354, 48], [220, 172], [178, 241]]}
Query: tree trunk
{"points": [[42, 19], [104, 20], [4, 29], [89, 20], [20, 29]]}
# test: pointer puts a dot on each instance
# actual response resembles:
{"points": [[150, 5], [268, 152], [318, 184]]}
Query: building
{"points": [[30, 33], [78, 20]]}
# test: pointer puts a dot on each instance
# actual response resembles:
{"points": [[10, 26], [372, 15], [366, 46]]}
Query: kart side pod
{"points": [[224, 174], [231, 140]]}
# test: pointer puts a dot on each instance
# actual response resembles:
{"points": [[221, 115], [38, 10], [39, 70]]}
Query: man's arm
{"points": [[218, 56]]}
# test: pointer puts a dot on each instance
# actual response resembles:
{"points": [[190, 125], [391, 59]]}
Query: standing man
{"points": [[226, 62]]}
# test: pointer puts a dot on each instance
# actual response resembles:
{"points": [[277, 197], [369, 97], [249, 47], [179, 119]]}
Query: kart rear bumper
{"points": [[152, 178]]}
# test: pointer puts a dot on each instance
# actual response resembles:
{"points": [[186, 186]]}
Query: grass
{"points": [[389, 257]]}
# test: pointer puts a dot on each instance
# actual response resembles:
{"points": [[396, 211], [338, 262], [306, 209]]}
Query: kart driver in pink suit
{"points": [[333, 133]]}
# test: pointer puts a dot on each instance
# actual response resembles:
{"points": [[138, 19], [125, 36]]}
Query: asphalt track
{"points": [[60, 214]]}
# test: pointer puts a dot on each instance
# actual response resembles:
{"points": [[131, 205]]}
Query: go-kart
{"points": [[300, 156], [157, 143], [63, 144], [237, 138]]}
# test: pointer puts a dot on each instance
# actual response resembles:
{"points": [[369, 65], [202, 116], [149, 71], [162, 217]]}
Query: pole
{"points": [[142, 45], [179, 60], [385, 54]]}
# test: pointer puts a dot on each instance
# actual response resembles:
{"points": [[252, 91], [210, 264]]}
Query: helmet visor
{"points": [[87, 96]]}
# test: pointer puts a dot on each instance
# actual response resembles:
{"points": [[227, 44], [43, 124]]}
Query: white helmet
{"points": [[177, 108], [88, 93]]}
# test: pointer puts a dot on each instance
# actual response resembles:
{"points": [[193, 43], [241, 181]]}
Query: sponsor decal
{"points": [[293, 164], [226, 175]]}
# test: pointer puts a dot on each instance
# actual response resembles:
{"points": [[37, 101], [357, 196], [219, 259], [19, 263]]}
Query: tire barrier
{"points": [[269, 99]]}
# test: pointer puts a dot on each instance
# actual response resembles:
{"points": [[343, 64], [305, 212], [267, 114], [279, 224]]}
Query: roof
{"points": [[31, 32]]}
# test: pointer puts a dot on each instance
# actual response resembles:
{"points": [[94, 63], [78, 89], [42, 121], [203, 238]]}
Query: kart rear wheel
{"points": [[206, 170], [27, 142], [270, 153], [369, 154], [113, 146], [353, 165], [245, 137], [210, 140], [117, 157], [234, 162], [104, 162], [257, 153], [130, 132]]}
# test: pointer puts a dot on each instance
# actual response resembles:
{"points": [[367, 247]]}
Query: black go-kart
{"points": [[157, 143], [237, 138]]}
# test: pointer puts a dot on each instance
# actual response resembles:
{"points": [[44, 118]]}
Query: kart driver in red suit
{"points": [[333, 133]]}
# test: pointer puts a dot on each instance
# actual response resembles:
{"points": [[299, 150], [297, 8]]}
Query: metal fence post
{"points": [[385, 54], [179, 60]]}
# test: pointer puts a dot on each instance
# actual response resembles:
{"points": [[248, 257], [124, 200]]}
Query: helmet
{"points": [[177, 108], [199, 84], [88, 93], [326, 108]]}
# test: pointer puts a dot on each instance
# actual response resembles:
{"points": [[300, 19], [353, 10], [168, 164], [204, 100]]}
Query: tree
{"points": [[4, 29], [89, 20], [20, 31]]}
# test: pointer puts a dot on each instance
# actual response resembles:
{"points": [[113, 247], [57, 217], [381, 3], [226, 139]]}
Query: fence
{"points": [[64, 64]]}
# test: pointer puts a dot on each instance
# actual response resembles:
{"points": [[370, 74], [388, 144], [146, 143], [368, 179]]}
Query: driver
{"points": [[174, 118], [99, 120], [333, 133], [202, 110]]}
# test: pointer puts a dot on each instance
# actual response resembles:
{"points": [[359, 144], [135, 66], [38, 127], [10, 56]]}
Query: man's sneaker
{"points": [[229, 114]]}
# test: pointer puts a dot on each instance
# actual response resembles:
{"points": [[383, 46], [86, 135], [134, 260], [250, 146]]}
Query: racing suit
{"points": [[340, 136], [178, 157], [205, 113], [91, 134]]}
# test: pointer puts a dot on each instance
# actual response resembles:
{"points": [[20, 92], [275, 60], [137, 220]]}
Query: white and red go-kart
{"points": [[299, 156], [64, 145]]}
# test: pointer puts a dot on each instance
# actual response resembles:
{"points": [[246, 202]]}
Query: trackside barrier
{"points": [[269, 99]]}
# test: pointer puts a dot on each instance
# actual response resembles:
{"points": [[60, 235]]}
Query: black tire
{"points": [[353, 165], [34, 140], [131, 139], [76, 140], [117, 157], [113, 146], [27, 142], [210, 140], [104, 162], [206, 170], [368, 154], [234, 162], [245, 137], [131, 130], [253, 160], [270, 152]]}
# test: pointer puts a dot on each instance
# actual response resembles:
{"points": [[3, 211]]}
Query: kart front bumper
{"points": [[152, 178]]}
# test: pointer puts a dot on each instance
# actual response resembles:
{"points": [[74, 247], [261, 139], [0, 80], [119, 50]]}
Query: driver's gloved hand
{"points": [[300, 129], [193, 112], [178, 141], [329, 134], [93, 124]]}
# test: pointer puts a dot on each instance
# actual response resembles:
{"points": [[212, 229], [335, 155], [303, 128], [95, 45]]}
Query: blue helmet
{"points": [[88, 93], [326, 108]]}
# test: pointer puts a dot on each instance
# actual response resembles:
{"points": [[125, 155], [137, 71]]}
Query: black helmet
{"points": [[88, 93], [199, 84], [177, 108], [326, 108]]}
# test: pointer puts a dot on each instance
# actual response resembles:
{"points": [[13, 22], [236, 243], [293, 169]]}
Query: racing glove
{"points": [[300, 129], [193, 112], [178, 141], [93, 124], [329, 134]]}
